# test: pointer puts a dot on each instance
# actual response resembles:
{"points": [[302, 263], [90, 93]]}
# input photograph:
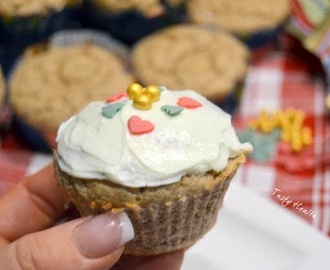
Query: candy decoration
{"points": [[137, 126], [162, 88], [134, 90], [153, 91], [143, 102], [171, 110], [143, 97], [291, 124], [188, 102], [110, 110], [116, 97]]}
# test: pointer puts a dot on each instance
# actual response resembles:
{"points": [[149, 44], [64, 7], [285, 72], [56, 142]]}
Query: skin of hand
{"points": [[33, 234]]}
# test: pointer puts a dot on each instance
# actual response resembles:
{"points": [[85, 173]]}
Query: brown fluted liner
{"points": [[165, 218]]}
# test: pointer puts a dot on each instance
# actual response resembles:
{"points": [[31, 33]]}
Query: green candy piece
{"points": [[171, 110], [111, 110]]}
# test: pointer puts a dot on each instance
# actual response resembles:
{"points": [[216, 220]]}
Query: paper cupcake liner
{"points": [[30, 135], [160, 226], [164, 228], [129, 26]]}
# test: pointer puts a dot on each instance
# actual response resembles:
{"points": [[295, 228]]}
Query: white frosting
{"points": [[193, 142]]}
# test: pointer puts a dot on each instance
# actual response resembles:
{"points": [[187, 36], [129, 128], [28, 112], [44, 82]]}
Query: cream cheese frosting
{"points": [[183, 133]]}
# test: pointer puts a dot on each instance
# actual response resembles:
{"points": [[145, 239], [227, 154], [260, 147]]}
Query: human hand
{"points": [[31, 236]]}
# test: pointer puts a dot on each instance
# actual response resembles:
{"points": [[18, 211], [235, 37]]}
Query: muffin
{"points": [[255, 21], [168, 165], [25, 22], [129, 20], [188, 56], [51, 82]]}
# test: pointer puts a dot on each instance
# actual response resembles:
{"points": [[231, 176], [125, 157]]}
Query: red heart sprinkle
{"points": [[117, 96], [188, 102], [137, 126]]}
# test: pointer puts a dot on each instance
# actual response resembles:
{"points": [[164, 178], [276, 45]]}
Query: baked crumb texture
{"points": [[189, 56], [165, 218]]}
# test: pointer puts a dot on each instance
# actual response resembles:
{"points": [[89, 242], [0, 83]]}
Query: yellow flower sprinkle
{"points": [[291, 124]]}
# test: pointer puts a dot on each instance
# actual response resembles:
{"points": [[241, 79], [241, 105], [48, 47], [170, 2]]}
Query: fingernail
{"points": [[103, 234]]}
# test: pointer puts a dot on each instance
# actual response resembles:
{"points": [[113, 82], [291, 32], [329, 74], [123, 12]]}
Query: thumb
{"points": [[84, 243]]}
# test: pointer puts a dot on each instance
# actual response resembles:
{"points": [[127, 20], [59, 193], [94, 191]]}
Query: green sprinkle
{"points": [[171, 110], [111, 110], [162, 88]]}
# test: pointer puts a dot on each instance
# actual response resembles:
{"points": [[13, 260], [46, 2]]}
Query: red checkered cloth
{"points": [[298, 182], [275, 81]]}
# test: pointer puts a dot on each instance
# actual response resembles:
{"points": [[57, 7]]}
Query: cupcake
{"points": [[188, 56], [129, 20], [168, 164], [25, 22], [52, 82], [257, 22]]}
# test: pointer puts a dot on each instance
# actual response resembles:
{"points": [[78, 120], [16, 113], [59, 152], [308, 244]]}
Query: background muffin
{"points": [[189, 56], [52, 82], [241, 17], [129, 20], [23, 23], [168, 166]]}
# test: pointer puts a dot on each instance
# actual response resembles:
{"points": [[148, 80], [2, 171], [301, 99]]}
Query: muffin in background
{"points": [[168, 165], [52, 82], [214, 63], [257, 22], [129, 20], [25, 22]]}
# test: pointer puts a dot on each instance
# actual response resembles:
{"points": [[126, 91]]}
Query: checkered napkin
{"points": [[298, 182]]}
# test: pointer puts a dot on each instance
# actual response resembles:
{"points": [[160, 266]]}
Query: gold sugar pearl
{"points": [[134, 90], [143, 97], [143, 102], [153, 91]]}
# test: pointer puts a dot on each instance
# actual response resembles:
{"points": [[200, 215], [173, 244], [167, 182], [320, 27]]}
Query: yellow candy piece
{"points": [[266, 126], [134, 90], [253, 124], [153, 91], [143, 97], [143, 102], [307, 137]]}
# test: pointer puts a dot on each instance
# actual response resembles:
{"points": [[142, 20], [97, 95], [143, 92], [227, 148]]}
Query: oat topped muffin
{"points": [[190, 56], [51, 83], [239, 16], [147, 7], [27, 8]]}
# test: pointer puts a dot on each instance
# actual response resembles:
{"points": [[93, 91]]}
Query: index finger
{"points": [[34, 204]]}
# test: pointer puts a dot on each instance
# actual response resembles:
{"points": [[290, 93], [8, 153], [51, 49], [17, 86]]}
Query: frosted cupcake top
{"points": [[147, 137]]}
